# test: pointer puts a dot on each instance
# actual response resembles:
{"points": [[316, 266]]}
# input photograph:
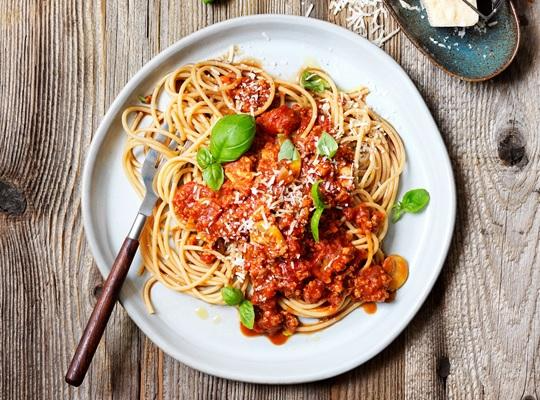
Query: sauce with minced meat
{"points": [[250, 93], [263, 210]]}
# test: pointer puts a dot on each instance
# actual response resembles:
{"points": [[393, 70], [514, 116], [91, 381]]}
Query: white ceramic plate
{"points": [[283, 44]]}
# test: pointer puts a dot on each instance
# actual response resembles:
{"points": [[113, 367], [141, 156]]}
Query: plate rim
{"points": [[103, 265]]}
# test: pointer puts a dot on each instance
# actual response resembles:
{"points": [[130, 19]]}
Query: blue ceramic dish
{"points": [[472, 54]]}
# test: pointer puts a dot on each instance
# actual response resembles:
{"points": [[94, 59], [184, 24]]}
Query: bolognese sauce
{"points": [[263, 209], [273, 196]]}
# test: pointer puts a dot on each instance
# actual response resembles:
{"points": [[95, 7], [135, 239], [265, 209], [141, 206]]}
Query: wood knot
{"points": [[528, 397], [97, 290], [511, 148], [12, 200], [443, 367]]}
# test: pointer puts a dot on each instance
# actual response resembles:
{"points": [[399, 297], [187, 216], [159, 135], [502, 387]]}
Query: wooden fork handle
{"points": [[102, 311]]}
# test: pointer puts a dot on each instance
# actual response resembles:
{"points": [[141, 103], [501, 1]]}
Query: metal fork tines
{"points": [[148, 171]]}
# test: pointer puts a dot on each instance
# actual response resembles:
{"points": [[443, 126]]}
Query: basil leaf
{"points": [[316, 195], [327, 145], [204, 157], [287, 151], [312, 81], [247, 314], [397, 212], [415, 200], [213, 176], [314, 223], [232, 296], [231, 137]]}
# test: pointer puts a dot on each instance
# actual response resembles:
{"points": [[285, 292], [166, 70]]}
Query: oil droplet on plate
{"points": [[370, 308], [201, 313], [216, 319], [398, 268]]}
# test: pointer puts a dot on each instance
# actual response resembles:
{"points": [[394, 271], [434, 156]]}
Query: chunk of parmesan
{"points": [[448, 13]]}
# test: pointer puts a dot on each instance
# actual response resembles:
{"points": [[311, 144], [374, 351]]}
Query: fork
{"points": [[111, 288]]}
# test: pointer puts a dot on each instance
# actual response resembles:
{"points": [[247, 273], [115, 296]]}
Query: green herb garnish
{"points": [[327, 145], [287, 151], [247, 314], [314, 223], [231, 136], [208, 1], [312, 81], [232, 296], [316, 195], [145, 99], [214, 176], [204, 158], [413, 202], [319, 208]]}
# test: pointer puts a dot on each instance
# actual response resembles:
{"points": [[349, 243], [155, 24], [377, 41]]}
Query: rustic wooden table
{"points": [[63, 62]]}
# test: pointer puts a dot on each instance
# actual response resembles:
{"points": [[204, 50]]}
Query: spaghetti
{"points": [[254, 233]]}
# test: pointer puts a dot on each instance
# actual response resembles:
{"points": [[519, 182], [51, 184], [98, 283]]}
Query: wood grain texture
{"points": [[107, 298], [62, 64]]}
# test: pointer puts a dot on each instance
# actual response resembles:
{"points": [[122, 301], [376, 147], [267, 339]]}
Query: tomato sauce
{"points": [[264, 209], [370, 308], [283, 120], [276, 338], [391, 298], [251, 93]]}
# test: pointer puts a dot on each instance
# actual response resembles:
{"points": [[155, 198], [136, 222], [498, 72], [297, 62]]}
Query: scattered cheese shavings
{"points": [[382, 40], [310, 9], [480, 27], [366, 17], [407, 6]]}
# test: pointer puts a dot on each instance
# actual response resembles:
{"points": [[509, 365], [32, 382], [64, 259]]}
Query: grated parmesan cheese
{"points": [[407, 6], [238, 261], [246, 226], [266, 225], [365, 17], [310, 9]]}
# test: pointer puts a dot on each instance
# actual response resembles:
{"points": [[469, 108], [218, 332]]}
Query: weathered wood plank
{"points": [[62, 64], [477, 335], [49, 75]]}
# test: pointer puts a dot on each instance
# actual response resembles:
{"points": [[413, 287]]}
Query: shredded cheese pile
{"points": [[365, 17]]}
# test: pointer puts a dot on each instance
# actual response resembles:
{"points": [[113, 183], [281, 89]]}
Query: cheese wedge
{"points": [[448, 13]]}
